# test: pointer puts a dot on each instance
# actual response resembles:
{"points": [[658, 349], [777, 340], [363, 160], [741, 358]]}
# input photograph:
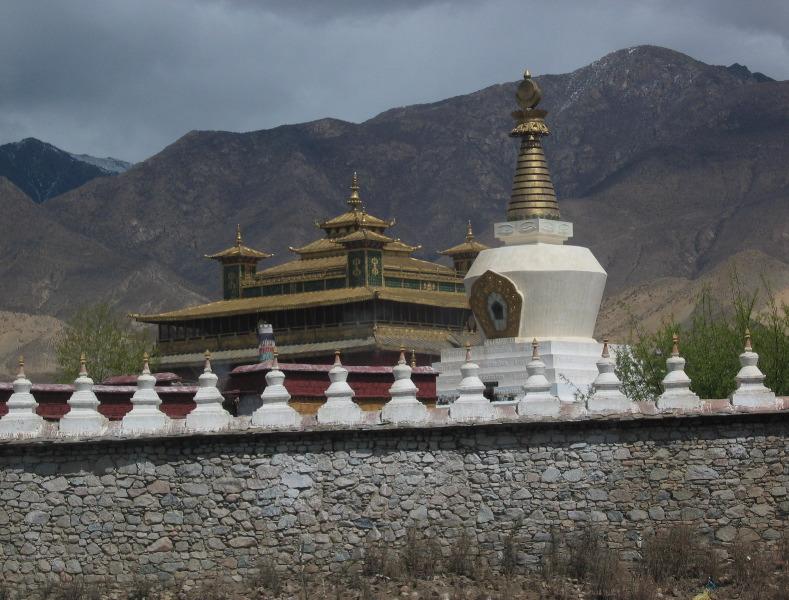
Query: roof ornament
{"points": [[469, 232], [238, 236], [354, 201], [532, 195]]}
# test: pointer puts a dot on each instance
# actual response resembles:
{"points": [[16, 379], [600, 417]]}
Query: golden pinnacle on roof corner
{"points": [[354, 201], [532, 195]]}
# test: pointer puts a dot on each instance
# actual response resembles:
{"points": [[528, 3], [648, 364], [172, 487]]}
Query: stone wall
{"points": [[188, 506]]}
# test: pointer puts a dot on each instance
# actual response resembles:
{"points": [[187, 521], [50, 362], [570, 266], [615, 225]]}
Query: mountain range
{"points": [[672, 171]]}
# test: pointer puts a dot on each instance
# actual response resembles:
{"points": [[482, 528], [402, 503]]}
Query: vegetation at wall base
{"points": [[711, 343], [109, 340]]}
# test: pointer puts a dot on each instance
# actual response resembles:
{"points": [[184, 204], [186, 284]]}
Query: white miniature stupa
{"points": [[535, 285], [676, 384], [471, 404], [209, 414], [751, 391], [21, 419], [339, 408], [83, 417], [275, 411], [404, 406], [607, 395], [145, 415], [537, 399]]}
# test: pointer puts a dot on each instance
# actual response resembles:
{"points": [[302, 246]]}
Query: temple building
{"points": [[355, 289]]}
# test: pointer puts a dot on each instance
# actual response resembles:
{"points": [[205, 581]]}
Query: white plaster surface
{"points": [[471, 404], [570, 366], [209, 414], [561, 286], [21, 419], [404, 407], [145, 415], [751, 391], [275, 411], [83, 417], [608, 396], [537, 398], [339, 409], [676, 385]]}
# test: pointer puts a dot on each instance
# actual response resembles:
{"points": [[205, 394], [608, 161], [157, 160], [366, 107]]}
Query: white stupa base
{"points": [[21, 426], [479, 409], [539, 405], [208, 420], [610, 402], [82, 424], [276, 415], [570, 366], [404, 412], [757, 397], [685, 400], [144, 422], [340, 413]]}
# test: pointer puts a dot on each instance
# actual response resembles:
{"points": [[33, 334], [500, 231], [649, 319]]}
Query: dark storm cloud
{"points": [[127, 78]]}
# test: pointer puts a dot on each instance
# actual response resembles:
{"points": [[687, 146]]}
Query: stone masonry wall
{"points": [[187, 507]]}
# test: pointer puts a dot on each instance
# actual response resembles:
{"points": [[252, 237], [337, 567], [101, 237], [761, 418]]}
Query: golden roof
{"points": [[223, 308], [321, 245], [305, 265], [415, 265], [532, 190], [357, 218], [470, 246], [364, 234], [238, 250], [400, 246]]}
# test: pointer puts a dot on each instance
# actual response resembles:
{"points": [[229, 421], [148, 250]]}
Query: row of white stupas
{"points": [[146, 417]]}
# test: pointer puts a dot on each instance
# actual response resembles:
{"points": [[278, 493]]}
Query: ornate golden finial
{"points": [[337, 362], [83, 368], [207, 365], [401, 360], [675, 346], [605, 354], [469, 232], [748, 347], [468, 351], [146, 369], [413, 358], [238, 235], [354, 201], [533, 195], [21, 372], [534, 345]]}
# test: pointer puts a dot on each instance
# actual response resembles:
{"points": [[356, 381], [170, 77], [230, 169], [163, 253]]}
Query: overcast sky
{"points": [[125, 78]]}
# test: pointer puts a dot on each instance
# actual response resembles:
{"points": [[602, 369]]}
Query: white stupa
{"points": [[676, 384], [404, 407], [339, 408], [537, 399], [751, 391], [83, 417], [145, 415], [209, 414], [471, 403], [275, 411], [21, 419], [607, 395], [534, 286]]}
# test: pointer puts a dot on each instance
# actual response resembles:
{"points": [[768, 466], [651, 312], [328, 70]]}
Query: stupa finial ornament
{"points": [[533, 195], [239, 240], [20, 374], [354, 201]]}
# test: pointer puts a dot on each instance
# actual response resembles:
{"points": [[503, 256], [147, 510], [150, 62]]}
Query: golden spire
{"points": [[146, 368], [337, 361], [207, 365], [238, 236], [21, 372], [675, 345], [413, 358], [354, 201], [83, 369], [469, 232], [532, 190], [748, 346], [401, 360]]}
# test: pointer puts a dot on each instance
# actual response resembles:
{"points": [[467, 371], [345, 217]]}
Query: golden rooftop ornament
{"points": [[354, 201], [532, 195]]}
